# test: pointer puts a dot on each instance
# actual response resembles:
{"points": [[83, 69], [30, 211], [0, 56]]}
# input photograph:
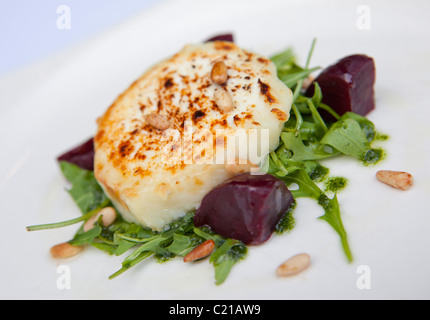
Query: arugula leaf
{"points": [[332, 216], [85, 190], [284, 60], [308, 189], [123, 246], [225, 257], [289, 71], [291, 78], [88, 236], [347, 137], [108, 248], [367, 126], [228, 253], [181, 245], [301, 152], [179, 239]]}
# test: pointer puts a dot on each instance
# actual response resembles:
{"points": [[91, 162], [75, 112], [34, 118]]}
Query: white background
{"points": [[29, 33]]}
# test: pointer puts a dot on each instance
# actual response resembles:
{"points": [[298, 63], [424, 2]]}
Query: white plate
{"points": [[51, 107]]}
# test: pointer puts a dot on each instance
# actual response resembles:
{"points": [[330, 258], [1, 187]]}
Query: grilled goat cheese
{"points": [[190, 122]]}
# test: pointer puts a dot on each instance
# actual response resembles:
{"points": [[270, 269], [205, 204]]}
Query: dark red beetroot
{"points": [[82, 155], [222, 37], [246, 207], [347, 85]]}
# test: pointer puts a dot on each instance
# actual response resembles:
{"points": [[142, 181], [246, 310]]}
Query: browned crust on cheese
{"points": [[133, 144]]}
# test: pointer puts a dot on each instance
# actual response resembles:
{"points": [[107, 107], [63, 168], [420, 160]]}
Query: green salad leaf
{"points": [[347, 137], [138, 242], [288, 69], [309, 189], [307, 138], [301, 152], [85, 190]]}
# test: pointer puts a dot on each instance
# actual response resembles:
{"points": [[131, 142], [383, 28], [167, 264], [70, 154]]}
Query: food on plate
{"points": [[348, 85], [161, 178], [246, 207], [158, 147]]}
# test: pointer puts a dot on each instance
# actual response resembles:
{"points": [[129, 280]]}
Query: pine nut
{"points": [[223, 100], [201, 251], [108, 217], [219, 73], [65, 250], [307, 82], [294, 265], [157, 121], [396, 179]]}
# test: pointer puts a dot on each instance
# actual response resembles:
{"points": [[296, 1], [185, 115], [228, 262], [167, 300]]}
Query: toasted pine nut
{"points": [[396, 179], [157, 121], [108, 217], [201, 251], [65, 250], [219, 73], [307, 82], [294, 265], [223, 100]]}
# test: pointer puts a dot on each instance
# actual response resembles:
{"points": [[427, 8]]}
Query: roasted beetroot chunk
{"points": [[348, 85], [246, 207], [82, 155]]}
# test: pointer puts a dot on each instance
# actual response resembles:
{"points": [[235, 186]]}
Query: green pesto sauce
{"points": [[287, 222], [318, 173], [381, 136], [373, 156], [162, 258], [335, 184]]}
